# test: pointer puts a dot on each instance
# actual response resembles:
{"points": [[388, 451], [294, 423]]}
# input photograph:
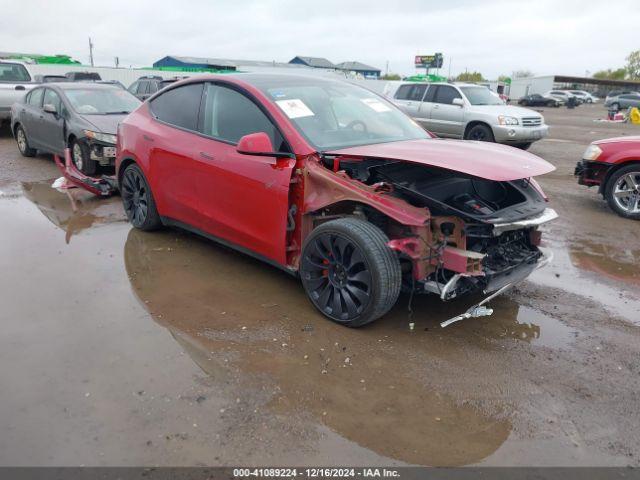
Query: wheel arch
{"points": [[124, 163], [605, 182], [474, 123]]}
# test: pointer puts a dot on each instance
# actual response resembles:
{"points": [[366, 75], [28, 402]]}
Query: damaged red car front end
{"points": [[332, 183]]}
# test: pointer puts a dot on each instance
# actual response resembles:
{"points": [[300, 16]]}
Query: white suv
{"points": [[470, 112], [15, 81]]}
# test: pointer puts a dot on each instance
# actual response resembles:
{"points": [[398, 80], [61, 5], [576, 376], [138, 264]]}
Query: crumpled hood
{"points": [[491, 161], [104, 123]]}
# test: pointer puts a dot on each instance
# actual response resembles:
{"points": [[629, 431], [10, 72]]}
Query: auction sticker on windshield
{"points": [[294, 108], [375, 104]]}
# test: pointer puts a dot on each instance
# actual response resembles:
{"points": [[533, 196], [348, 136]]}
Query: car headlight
{"points": [[592, 152], [504, 120], [101, 137]]}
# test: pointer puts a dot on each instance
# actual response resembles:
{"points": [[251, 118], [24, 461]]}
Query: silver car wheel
{"points": [[22, 140], [78, 159], [626, 192]]}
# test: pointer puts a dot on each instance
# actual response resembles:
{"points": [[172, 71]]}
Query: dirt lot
{"points": [[121, 347]]}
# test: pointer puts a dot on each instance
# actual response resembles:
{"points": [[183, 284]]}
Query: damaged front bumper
{"points": [[498, 286]]}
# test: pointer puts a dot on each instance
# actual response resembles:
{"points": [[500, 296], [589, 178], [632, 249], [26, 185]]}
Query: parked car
{"points": [[470, 112], [334, 184], [50, 78], [563, 95], [585, 96], [537, 100], [616, 93], [82, 116], [613, 165], [81, 76], [146, 86], [621, 102], [15, 81]]}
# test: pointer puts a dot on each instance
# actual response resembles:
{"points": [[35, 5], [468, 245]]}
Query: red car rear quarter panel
{"points": [[480, 159]]}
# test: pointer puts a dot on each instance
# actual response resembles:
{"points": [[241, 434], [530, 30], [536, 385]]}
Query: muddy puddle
{"points": [[243, 323]]}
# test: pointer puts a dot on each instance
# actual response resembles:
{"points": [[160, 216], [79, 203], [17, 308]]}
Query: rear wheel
{"points": [[137, 199], [481, 133], [23, 143], [615, 106], [623, 192], [349, 273], [82, 158]]}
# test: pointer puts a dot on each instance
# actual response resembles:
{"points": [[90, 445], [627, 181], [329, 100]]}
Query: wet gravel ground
{"points": [[121, 347]]}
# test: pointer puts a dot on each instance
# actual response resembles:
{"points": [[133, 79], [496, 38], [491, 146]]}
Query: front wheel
{"points": [[82, 158], [137, 199], [481, 133], [623, 192], [349, 273], [23, 143]]}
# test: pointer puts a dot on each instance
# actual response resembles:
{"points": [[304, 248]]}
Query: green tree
{"points": [[470, 77], [609, 74], [391, 76], [633, 65], [503, 78]]}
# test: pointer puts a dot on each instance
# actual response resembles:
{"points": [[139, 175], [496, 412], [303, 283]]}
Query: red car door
{"points": [[244, 198], [169, 140]]}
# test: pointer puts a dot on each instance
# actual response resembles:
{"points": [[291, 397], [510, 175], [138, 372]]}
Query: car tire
{"points": [[481, 133], [349, 273], [137, 199], [23, 143], [81, 158], [523, 146], [615, 106], [626, 178], [551, 103]]}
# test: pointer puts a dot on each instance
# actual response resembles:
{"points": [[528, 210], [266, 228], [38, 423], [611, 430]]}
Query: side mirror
{"points": [[50, 108], [458, 101], [259, 144]]}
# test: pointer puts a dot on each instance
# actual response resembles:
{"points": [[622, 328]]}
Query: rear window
{"points": [[13, 72], [179, 106]]}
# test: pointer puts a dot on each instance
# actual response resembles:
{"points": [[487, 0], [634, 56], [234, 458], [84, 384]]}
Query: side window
{"points": [[143, 87], [35, 97], [153, 87], [179, 106], [446, 94], [403, 92], [229, 115], [51, 97], [417, 92], [133, 88], [431, 93]]}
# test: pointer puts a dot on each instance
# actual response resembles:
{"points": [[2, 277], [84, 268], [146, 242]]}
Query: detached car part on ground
{"points": [[81, 116], [613, 165], [332, 183]]}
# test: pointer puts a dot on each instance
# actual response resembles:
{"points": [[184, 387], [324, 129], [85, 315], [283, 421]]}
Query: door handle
{"points": [[19, 87], [206, 155], [147, 138]]}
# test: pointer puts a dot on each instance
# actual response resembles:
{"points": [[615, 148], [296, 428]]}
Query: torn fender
{"points": [[323, 188]]}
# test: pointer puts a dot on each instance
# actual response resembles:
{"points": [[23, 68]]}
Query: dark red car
{"points": [[613, 165], [331, 182]]}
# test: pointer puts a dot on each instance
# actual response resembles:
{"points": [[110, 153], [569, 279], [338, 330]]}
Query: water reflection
{"points": [[606, 260], [237, 317], [73, 210]]}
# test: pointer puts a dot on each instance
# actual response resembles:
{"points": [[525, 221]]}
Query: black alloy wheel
{"points": [[349, 273], [137, 199], [480, 133]]}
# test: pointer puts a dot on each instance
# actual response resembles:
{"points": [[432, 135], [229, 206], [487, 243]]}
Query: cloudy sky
{"points": [[491, 36]]}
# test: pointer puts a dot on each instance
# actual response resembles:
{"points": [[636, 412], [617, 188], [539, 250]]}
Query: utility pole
{"points": [[386, 72], [117, 61], [449, 74], [91, 51]]}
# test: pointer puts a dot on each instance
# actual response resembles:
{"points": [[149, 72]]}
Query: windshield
{"points": [[103, 101], [13, 72], [481, 96], [334, 115]]}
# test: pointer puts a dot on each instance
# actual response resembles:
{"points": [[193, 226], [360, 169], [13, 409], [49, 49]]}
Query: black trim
{"points": [[170, 222]]}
